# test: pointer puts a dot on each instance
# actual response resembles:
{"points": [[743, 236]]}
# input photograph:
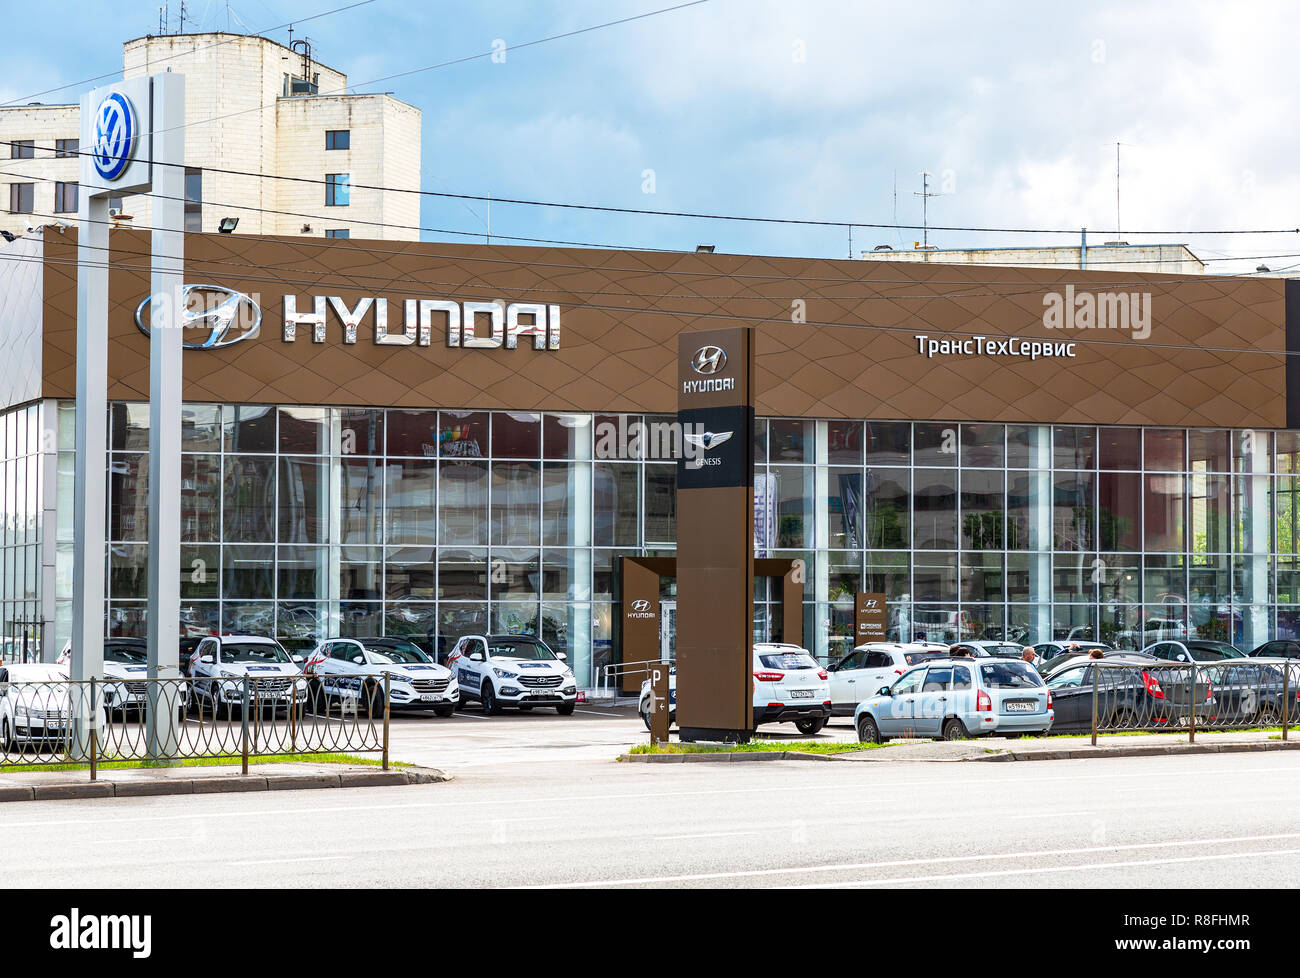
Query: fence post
{"points": [[388, 688], [1096, 671], [1191, 730], [293, 716], [94, 730], [1286, 696], [243, 719]]}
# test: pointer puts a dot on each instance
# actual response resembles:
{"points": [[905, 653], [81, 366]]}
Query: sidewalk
{"points": [[17, 785]]}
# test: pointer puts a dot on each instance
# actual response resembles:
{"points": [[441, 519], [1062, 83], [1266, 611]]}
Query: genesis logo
{"points": [[709, 360], [705, 441], [232, 317], [115, 134], [640, 608]]}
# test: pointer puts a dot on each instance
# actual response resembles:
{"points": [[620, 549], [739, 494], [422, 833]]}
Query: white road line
{"points": [[599, 713], [934, 861], [297, 859], [1039, 870], [702, 835]]}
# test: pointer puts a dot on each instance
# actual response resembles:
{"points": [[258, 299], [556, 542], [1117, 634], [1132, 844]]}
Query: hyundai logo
{"points": [[222, 308], [709, 360], [115, 133], [641, 604]]}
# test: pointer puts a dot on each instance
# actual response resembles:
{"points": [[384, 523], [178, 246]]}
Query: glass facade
{"points": [[310, 522], [21, 495]]}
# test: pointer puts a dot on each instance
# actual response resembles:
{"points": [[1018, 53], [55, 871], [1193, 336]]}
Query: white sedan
{"points": [[344, 666]]}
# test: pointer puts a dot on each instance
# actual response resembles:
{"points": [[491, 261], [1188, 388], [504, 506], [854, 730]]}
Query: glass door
{"points": [[667, 631]]}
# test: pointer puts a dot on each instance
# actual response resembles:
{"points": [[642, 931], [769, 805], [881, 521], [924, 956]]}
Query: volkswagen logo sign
{"points": [[709, 360], [230, 317], [641, 604], [115, 135]]}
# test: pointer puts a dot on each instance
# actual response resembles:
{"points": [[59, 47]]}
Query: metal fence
{"points": [[101, 721], [1230, 694]]}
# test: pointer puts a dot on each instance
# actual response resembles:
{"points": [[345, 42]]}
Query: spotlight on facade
{"points": [[704, 249], [227, 225]]}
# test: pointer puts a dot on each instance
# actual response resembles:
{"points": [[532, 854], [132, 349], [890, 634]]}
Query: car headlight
{"points": [[20, 710], [505, 673]]}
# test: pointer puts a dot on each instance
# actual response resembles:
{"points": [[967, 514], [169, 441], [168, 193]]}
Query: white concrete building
{"points": [[251, 105], [1108, 256]]}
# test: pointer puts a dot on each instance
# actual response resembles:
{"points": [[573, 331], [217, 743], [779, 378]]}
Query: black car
{"points": [[1281, 649], [1133, 692], [1195, 650]]}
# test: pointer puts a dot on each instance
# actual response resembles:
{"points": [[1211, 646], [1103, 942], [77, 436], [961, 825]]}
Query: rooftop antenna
{"points": [[163, 18], [925, 196], [183, 12]]}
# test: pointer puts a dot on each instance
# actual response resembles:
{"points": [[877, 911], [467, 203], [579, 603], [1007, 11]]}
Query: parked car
{"points": [[789, 686], [1047, 651], [1148, 693], [1281, 649], [37, 704], [1194, 650], [126, 668], [221, 662], [1157, 630], [956, 698], [999, 650], [1117, 655], [868, 667], [340, 668], [512, 670]]}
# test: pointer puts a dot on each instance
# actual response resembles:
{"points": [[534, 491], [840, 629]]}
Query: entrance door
{"points": [[667, 631]]}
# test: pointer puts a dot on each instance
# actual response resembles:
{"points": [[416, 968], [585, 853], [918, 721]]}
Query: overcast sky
{"points": [[800, 108]]}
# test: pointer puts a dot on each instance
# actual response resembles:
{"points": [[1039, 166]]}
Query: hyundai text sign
{"points": [[115, 141], [465, 325]]}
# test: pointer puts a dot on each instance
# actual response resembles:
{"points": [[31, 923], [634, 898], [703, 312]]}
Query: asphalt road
{"points": [[538, 801]]}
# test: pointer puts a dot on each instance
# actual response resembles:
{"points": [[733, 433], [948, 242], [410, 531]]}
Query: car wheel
{"points": [[444, 711], [488, 697], [7, 743], [868, 732], [372, 697], [565, 709], [954, 729], [1269, 715], [312, 698], [809, 726], [645, 718]]}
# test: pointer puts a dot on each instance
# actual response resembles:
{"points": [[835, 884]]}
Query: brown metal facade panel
{"points": [[640, 583], [621, 311]]}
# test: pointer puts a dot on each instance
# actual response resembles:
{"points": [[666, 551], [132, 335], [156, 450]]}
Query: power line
{"points": [[207, 47], [316, 281]]}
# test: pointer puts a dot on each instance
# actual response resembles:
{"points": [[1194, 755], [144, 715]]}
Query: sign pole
{"points": [[165, 348]]}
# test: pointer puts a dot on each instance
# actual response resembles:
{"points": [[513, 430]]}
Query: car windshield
{"points": [[1218, 650], [253, 652], [397, 652], [522, 649], [1003, 651], [1009, 675], [792, 661], [132, 654], [912, 658]]}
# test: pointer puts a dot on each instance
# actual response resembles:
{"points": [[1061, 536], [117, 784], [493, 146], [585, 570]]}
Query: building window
{"points": [[22, 149], [66, 148], [338, 138], [65, 198], [193, 199], [336, 189], [338, 233], [22, 198]]}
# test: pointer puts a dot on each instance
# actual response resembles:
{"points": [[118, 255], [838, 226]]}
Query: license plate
{"points": [[542, 694], [427, 698], [1020, 706], [801, 694]]}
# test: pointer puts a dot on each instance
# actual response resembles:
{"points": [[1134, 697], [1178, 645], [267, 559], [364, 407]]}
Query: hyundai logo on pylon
{"points": [[709, 360]]}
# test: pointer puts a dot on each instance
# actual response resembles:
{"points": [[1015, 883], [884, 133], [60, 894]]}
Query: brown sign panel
{"points": [[660, 703], [640, 610], [715, 534], [869, 618]]}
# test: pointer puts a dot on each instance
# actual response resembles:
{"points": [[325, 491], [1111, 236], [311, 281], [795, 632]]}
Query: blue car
{"points": [[957, 698]]}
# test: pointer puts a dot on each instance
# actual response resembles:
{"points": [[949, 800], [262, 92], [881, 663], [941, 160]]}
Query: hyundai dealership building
{"points": [[432, 439]]}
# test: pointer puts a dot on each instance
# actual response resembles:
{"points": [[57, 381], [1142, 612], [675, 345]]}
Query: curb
{"points": [[1147, 751], [736, 757], [210, 786]]}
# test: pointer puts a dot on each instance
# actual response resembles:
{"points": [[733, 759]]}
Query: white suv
{"points": [[512, 670], [789, 687], [344, 666], [220, 663], [863, 671]]}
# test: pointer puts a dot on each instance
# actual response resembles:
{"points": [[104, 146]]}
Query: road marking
{"points": [[296, 859], [702, 835], [934, 861], [599, 713], [1039, 870]]}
